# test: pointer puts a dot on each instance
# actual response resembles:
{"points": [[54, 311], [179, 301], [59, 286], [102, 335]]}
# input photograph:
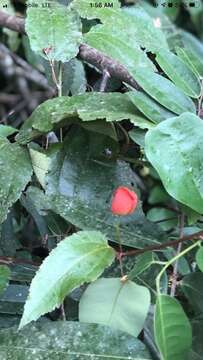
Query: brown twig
{"points": [[86, 53], [18, 66], [12, 22], [196, 236]]}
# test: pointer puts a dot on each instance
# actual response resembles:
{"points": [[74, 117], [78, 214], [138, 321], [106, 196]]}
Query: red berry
{"points": [[124, 201]]}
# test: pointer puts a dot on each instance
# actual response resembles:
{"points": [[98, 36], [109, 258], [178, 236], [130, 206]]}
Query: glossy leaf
{"points": [[179, 73], [16, 171], [76, 174], [149, 107], [67, 340], [172, 329], [79, 258], [199, 258], [4, 277], [121, 305], [57, 35], [87, 107], [175, 149], [164, 91]]}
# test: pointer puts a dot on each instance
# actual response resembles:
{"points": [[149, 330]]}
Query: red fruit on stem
{"points": [[124, 201]]}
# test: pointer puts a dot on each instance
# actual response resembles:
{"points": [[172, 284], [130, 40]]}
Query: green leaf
{"points": [[185, 57], [149, 107], [75, 174], [192, 288], [179, 73], [58, 30], [16, 171], [87, 107], [199, 258], [172, 329], [74, 79], [194, 50], [67, 340], [129, 54], [4, 277], [6, 131], [121, 305], [166, 219], [158, 195], [197, 330], [138, 136], [175, 149], [79, 258], [164, 91], [143, 262], [142, 28]]}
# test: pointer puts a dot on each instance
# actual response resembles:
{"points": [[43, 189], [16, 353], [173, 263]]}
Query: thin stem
{"points": [[170, 262], [60, 80], [124, 132], [120, 248], [105, 78], [175, 268], [63, 314], [53, 73]]}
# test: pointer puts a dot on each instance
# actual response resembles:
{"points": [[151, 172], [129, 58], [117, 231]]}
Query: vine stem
{"points": [[170, 262]]}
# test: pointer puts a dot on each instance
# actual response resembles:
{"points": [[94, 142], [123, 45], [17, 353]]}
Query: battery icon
{"points": [[192, 4]]}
